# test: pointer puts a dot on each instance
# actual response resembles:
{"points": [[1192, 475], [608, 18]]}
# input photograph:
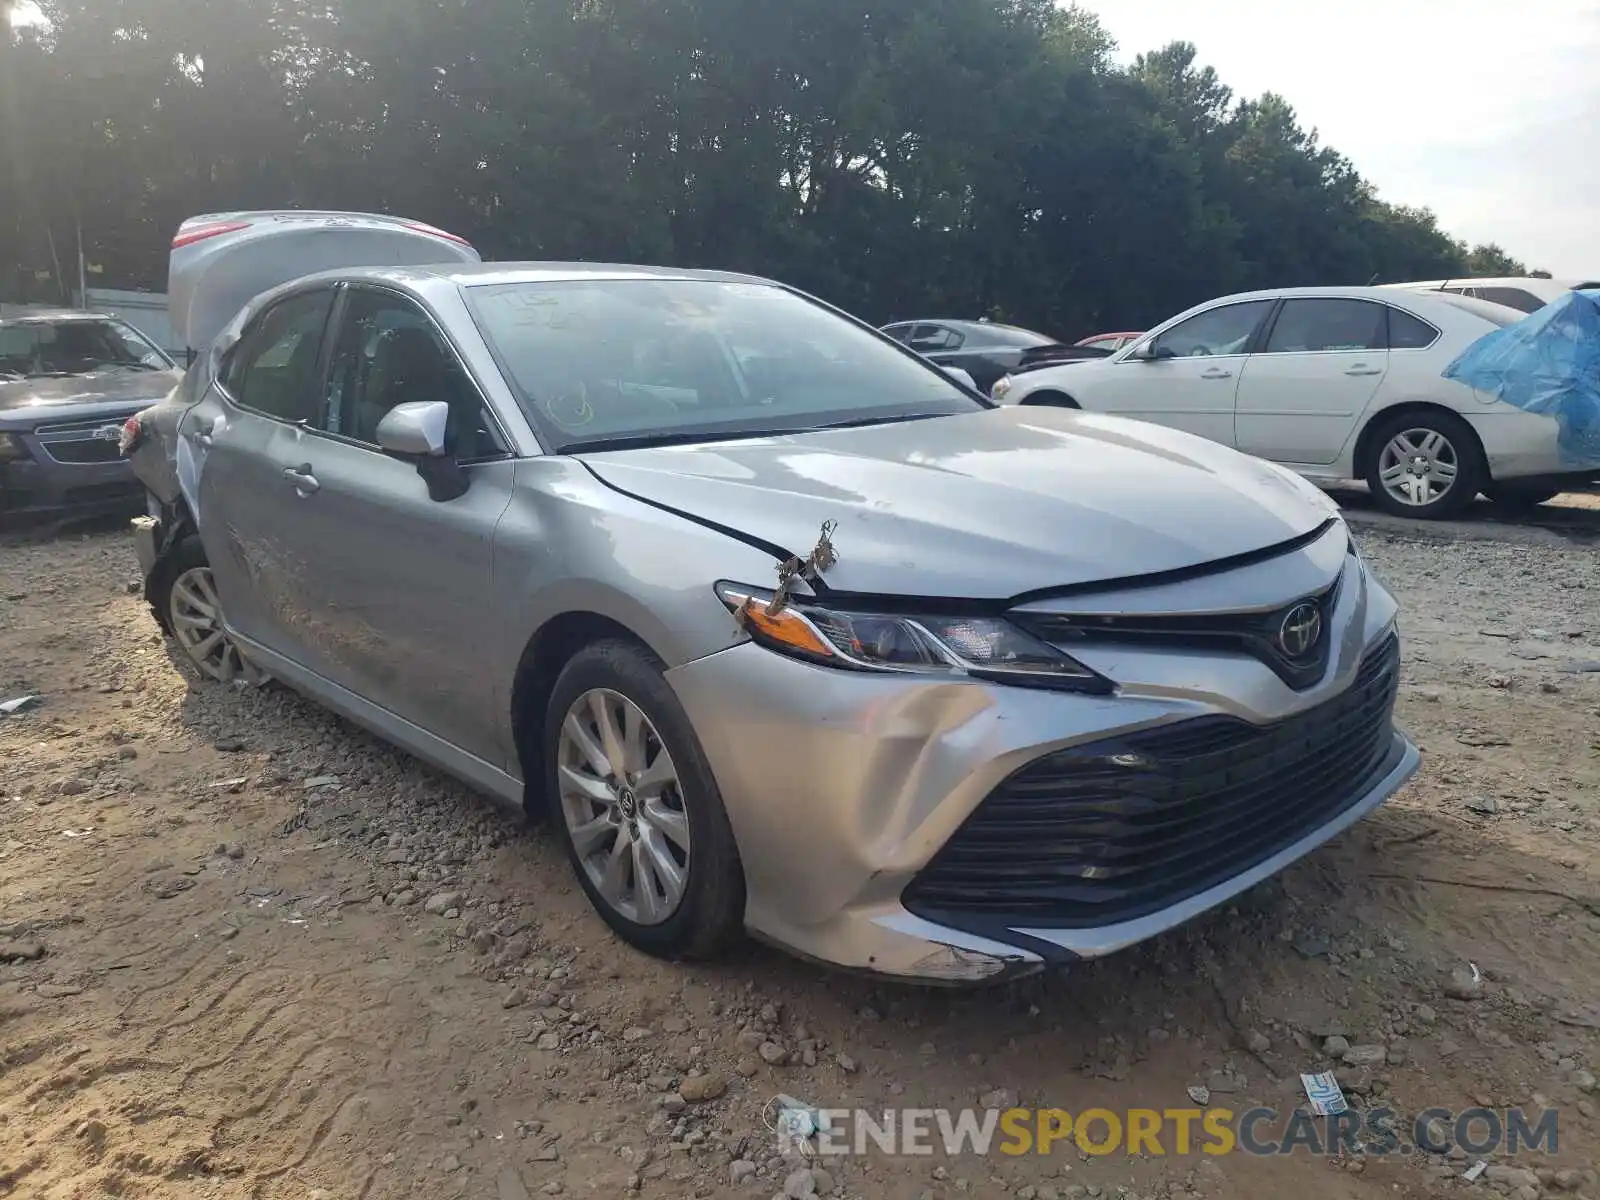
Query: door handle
{"points": [[1216, 373], [1363, 369], [301, 477]]}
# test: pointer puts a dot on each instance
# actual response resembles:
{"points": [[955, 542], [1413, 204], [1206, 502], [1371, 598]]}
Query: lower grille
{"points": [[78, 452], [1118, 829]]}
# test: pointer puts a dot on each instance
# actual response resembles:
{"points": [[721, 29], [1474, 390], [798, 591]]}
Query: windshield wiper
{"points": [[863, 422], [645, 441]]}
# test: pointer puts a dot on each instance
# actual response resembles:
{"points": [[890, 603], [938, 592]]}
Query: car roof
{"points": [[964, 323], [54, 316], [1493, 281], [491, 273]]}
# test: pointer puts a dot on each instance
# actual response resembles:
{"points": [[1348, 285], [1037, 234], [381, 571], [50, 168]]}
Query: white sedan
{"points": [[1335, 383]]}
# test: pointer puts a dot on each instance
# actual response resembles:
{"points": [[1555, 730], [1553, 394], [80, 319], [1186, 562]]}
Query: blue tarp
{"points": [[1548, 363]]}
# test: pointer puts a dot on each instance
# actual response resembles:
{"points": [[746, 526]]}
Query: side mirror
{"points": [[1151, 352], [961, 376], [415, 430]]}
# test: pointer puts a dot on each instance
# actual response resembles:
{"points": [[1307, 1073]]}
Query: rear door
{"points": [[1320, 364], [234, 447]]}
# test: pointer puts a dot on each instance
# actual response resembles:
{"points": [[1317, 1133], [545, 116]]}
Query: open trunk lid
{"points": [[222, 261]]}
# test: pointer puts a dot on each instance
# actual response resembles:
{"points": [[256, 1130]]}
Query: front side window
{"points": [[1225, 330], [388, 353], [45, 349], [1317, 325], [273, 370], [607, 362]]}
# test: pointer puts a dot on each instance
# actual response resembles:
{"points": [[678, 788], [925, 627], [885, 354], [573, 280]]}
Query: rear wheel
{"points": [[1519, 497], [188, 608], [1425, 465], [639, 810]]}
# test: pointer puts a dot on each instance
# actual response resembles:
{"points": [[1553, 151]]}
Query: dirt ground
{"points": [[247, 950]]}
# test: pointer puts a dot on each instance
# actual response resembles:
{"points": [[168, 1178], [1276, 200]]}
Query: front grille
{"points": [[83, 442], [1121, 828], [1255, 634]]}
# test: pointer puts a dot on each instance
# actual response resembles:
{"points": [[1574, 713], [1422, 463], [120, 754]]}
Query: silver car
{"points": [[788, 632]]}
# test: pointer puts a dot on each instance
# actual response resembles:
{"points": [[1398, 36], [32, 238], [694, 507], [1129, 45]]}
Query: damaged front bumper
{"points": [[843, 788]]}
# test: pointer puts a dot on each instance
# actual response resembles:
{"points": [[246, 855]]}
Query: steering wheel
{"points": [[1200, 351]]}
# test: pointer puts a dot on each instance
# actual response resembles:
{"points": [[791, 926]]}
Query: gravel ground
{"points": [[247, 950]]}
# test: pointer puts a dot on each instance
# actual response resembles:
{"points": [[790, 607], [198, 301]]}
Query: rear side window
{"points": [[1407, 332], [935, 337], [1512, 298], [1316, 325], [273, 370], [1496, 314]]}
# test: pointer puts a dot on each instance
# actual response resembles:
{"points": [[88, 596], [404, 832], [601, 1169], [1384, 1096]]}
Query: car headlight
{"points": [[11, 448], [1001, 386], [922, 644]]}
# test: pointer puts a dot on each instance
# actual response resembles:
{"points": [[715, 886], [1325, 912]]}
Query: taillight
{"points": [[419, 227], [199, 233], [132, 435]]}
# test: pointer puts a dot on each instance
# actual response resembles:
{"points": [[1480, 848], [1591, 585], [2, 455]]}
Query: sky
{"points": [[1485, 111]]}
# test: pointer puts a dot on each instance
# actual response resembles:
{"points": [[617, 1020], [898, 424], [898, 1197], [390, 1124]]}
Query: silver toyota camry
{"points": [[786, 631]]}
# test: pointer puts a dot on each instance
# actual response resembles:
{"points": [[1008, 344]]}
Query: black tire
{"points": [[710, 918], [1471, 471], [185, 556], [1519, 497], [1050, 399]]}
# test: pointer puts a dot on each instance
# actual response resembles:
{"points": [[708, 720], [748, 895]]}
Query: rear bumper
{"points": [[1525, 446], [32, 492], [147, 543]]}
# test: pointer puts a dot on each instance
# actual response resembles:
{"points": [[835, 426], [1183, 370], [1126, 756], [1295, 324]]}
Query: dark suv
{"points": [[68, 380]]}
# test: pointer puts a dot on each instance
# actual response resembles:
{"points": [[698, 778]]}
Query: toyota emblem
{"points": [[1300, 630]]}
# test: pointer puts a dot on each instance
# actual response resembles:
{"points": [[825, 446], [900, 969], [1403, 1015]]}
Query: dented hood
{"points": [[983, 506]]}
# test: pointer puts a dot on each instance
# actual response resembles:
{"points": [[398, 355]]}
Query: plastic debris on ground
{"points": [[1325, 1094], [1478, 1168], [20, 704], [1548, 364]]}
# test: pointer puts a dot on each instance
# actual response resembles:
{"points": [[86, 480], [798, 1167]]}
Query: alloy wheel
{"points": [[196, 616], [623, 806], [1418, 467]]}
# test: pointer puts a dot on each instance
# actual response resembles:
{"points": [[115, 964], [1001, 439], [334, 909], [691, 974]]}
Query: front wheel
{"points": [[1426, 465], [639, 810]]}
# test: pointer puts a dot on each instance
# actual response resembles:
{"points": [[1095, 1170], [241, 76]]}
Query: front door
{"points": [[1190, 379], [1321, 363], [396, 597]]}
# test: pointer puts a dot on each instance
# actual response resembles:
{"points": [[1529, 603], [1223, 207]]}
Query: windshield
{"points": [[43, 349], [1497, 314], [612, 363]]}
